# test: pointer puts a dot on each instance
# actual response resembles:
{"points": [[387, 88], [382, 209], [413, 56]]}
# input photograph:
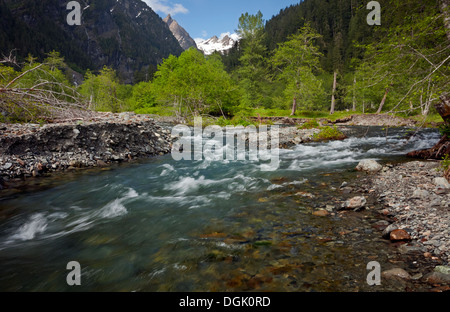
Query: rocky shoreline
{"points": [[32, 150], [414, 207]]}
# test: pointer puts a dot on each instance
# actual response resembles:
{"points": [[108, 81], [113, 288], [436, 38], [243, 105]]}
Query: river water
{"points": [[163, 225]]}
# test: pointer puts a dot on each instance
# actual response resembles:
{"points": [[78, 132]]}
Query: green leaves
{"points": [[101, 90], [296, 61], [250, 26], [194, 84]]}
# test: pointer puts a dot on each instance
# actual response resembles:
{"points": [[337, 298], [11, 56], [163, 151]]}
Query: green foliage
{"points": [[253, 73], [311, 124], [329, 133], [195, 85], [250, 26], [36, 91], [410, 60], [445, 164], [103, 91], [445, 129], [296, 61]]}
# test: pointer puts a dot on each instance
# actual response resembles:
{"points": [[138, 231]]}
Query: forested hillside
{"points": [[125, 35]]}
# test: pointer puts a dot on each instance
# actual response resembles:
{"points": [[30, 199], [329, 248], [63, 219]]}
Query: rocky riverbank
{"points": [[414, 203], [30, 150]]}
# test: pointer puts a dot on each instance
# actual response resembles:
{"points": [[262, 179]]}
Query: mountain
{"points": [[223, 44], [126, 35], [180, 33]]}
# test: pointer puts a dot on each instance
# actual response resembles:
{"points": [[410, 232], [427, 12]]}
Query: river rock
{"points": [[420, 194], [399, 235], [370, 166], [442, 269], [396, 273], [437, 278], [441, 183], [321, 213], [355, 203]]}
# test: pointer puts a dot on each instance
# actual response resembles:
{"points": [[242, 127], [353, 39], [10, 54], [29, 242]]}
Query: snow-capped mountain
{"points": [[180, 33], [222, 44]]}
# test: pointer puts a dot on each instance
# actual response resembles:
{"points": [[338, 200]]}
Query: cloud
{"points": [[166, 7]]}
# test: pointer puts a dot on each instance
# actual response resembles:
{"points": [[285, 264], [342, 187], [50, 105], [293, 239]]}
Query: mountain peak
{"points": [[213, 44], [168, 20], [180, 33]]}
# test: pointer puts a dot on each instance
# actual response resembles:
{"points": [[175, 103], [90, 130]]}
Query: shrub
{"points": [[311, 124], [329, 133]]}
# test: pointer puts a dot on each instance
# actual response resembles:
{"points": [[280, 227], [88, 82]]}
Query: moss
{"points": [[311, 124], [329, 133]]}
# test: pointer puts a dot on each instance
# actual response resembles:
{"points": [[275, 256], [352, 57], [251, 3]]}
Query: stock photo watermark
{"points": [[74, 276], [74, 16], [374, 276], [374, 17]]}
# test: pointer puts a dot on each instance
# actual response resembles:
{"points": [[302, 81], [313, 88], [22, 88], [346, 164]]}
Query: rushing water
{"points": [[162, 225]]}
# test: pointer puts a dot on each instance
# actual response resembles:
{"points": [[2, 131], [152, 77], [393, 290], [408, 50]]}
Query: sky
{"points": [[207, 18]]}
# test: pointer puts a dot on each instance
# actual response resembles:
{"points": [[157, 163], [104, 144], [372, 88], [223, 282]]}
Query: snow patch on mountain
{"points": [[221, 44]]}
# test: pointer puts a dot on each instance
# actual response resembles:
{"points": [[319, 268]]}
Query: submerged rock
{"points": [[437, 278], [396, 273]]}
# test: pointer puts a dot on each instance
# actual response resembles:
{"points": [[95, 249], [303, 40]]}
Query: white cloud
{"points": [[166, 7]]}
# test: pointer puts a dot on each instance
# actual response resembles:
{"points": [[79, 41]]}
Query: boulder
{"points": [[387, 231], [370, 166], [442, 269], [400, 235], [355, 203], [441, 183], [396, 273], [437, 278]]}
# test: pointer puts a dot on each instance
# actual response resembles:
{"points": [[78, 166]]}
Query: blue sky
{"points": [[206, 18]]}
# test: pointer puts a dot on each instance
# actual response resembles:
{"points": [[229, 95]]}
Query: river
{"points": [[163, 225]]}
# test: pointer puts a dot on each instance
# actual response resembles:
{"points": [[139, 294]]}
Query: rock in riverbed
{"points": [[355, 203], [370, 166]]}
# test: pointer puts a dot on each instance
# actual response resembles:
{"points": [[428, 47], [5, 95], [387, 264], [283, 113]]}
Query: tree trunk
{"points": [[354, 94], [333, 98], [380, 109], [445, 9], [294, 106]]}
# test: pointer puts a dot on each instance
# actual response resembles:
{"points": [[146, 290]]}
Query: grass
{"points": [[311, 124], [329, 133], [430, 121], [158, 110], [303, 114]]}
